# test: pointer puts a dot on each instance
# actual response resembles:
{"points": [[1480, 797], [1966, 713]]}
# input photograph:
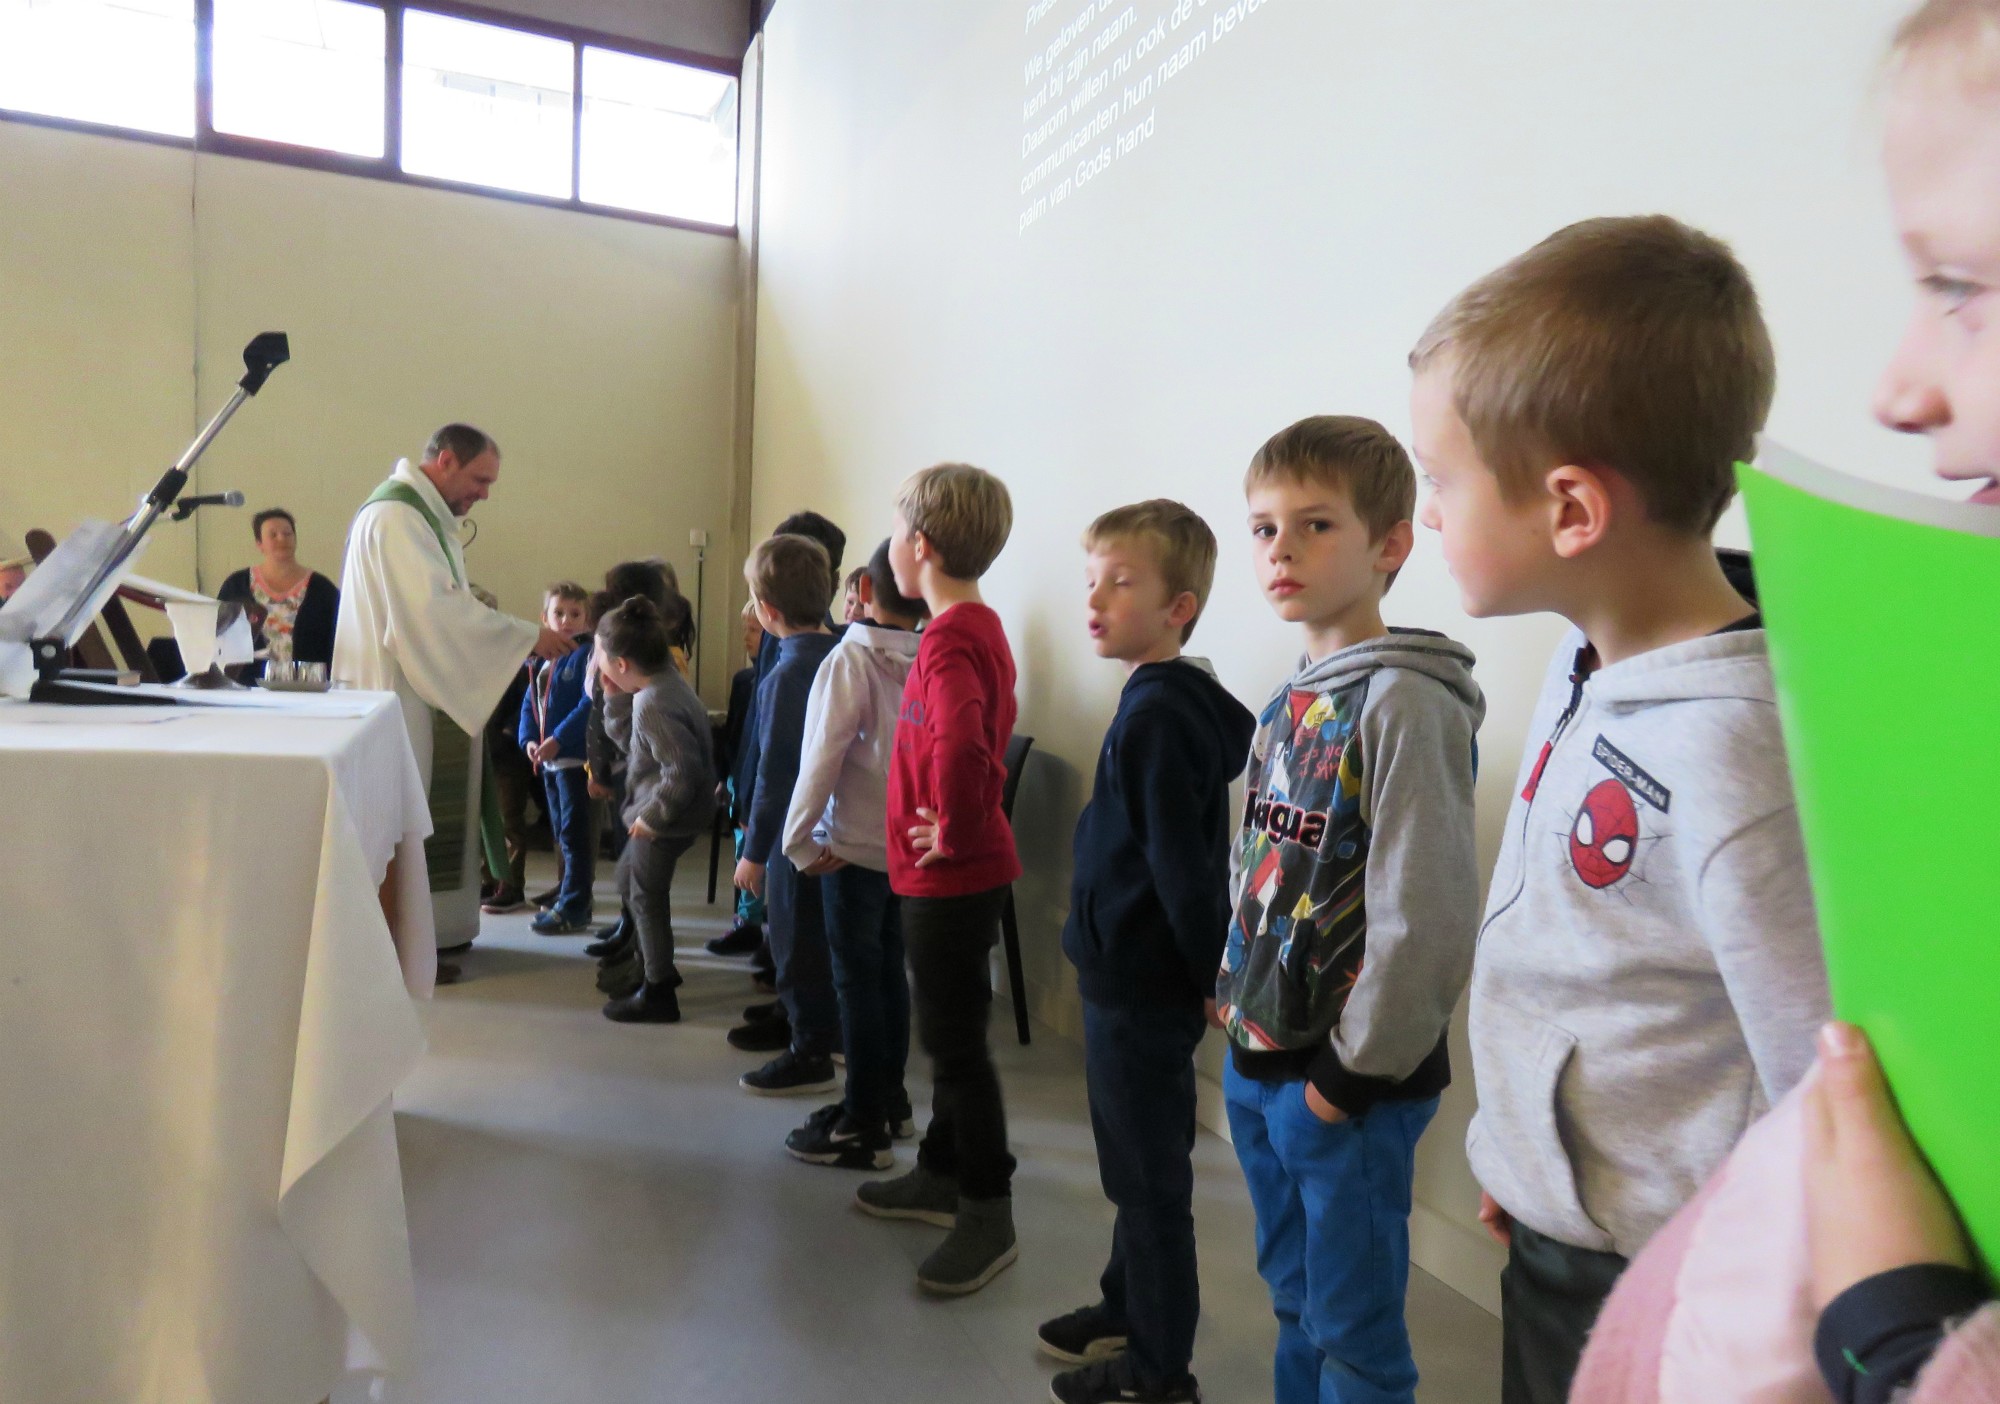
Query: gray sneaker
{"points": [[919, 1195], [980, 1245]]}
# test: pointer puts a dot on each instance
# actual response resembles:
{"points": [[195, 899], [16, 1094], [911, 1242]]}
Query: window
{"points": [[658, 137], [487, 105], [124, 63], [308, 72], [382, 89]]}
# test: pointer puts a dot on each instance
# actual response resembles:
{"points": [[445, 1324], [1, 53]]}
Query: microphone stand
{"points": [[265, 353]]}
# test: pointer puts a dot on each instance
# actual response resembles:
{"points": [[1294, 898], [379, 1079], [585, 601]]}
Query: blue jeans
{"points": [[1139, 1067], [798, 948], [864, 933], [568, 793], [1333, 1238]]}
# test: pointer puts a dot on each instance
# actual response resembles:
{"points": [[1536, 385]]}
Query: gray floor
{"points": [[599, 1215]]}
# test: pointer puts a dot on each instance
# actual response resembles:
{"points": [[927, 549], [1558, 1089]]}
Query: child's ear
{"points": [[1393, 551], [1580, 503], [1183, 609]]}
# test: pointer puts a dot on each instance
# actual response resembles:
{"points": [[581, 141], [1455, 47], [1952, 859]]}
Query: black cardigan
{"points": [[312, 632]]}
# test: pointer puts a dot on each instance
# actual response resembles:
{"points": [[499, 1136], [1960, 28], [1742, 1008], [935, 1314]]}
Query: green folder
{"points": [[1883, 612]]}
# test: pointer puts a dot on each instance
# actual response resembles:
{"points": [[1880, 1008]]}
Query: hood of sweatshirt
{"points": [[898, 643], [1420, 650], [1731, 665], [1190, 686]]}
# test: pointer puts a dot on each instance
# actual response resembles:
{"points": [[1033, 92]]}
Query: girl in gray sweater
{"points": [[669, 791]]}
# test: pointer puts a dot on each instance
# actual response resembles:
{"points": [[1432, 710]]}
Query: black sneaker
{"points": [[789, 1075], [835, 1140], [649, 1004], [762, 1035], [554, 923], [1085, 1335], [1112, 1382], [544, 900], [610, 941], [739, 940], [758, 1013], [902, 1117], [622, 979]]}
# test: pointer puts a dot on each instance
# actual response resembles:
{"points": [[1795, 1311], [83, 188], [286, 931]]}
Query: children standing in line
{"points": [[1356, 904], [1649, 976], [1149, 907], [669, 790], [555, 715], [792, 583], [951, 859], [836, 831]]}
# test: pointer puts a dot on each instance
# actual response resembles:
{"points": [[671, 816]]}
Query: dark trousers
{"points": [[864, 934], [1550, 1294], [646, 888], [797, 933], [950, 939], [568, 792], [1139, 1068], [514, 781]]}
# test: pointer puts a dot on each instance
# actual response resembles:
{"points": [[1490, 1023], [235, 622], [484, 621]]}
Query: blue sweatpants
{"points": [[1333, 1238]]}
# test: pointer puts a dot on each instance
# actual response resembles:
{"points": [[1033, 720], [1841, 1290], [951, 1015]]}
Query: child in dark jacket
{"points": [[555, 718], [1149, 909], [791, 580]]}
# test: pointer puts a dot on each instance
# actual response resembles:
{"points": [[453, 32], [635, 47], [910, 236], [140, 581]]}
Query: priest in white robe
{"points": [[410, 625]]}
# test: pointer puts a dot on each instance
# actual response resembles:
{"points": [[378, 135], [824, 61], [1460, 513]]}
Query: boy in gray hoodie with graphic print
{"points": [[837, 830], [1649, 975], [1356, 897]]}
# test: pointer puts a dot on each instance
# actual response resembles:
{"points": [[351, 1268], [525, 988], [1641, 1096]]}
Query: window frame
{"points": [[388, 166]]}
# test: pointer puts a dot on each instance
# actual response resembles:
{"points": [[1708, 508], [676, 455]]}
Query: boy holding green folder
{"points": [[1649, 975]]}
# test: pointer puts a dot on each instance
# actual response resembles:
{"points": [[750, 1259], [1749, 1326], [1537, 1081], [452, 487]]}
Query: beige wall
{"points": [[1313, 190], [599, 352]]}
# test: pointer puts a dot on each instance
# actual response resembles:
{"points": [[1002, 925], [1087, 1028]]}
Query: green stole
{"points": [[451, 752]]}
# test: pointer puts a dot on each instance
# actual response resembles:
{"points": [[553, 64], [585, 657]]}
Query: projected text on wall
{"points": [[1095, 76]]}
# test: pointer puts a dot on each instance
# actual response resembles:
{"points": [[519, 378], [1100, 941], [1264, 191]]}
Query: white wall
{"points": [[599, 352], [1311, 191]]}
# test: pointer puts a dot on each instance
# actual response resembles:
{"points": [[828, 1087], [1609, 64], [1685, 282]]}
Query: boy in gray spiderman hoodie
{"points": [[1356, 904]]}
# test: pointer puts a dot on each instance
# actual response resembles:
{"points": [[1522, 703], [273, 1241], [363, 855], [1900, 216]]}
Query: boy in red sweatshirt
{"points": [[951, 860]]}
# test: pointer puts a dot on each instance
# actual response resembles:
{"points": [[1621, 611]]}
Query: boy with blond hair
{"points": [[1149, 906], [1649, 976], [951, 859], [1356, 903]]}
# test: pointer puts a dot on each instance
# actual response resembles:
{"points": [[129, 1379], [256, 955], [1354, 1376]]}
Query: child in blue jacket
{"points": [[555, 719]]}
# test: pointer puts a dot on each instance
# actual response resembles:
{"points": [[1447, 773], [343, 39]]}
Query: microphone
{"points": [[184, 508]]}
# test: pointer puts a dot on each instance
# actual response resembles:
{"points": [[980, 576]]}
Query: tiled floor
{"points": [[599, 1215]]}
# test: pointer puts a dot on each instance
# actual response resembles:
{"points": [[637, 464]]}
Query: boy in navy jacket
{"points": [[555, 720], [1149, 910]]}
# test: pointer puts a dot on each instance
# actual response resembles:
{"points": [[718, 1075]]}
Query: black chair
{"points": [[1010, 926], [717, 837], [718, 831]]}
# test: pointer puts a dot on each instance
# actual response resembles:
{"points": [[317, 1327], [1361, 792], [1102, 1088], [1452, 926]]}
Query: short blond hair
{"points": [[1182, 545], [1975, 23], [1633, 344], [793, 577], [963, 512], [565, 590]]}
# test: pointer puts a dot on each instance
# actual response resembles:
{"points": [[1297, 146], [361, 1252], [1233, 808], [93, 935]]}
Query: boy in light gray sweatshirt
{"points": [[1649, 976], [836, 829], [669, 790]]}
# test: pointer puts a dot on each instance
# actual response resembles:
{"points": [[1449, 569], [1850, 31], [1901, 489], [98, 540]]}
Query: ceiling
{"points": [[713, 28]]}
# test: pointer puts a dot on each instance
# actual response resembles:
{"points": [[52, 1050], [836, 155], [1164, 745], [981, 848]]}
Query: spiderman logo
{"points": [[1605, 836]]}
